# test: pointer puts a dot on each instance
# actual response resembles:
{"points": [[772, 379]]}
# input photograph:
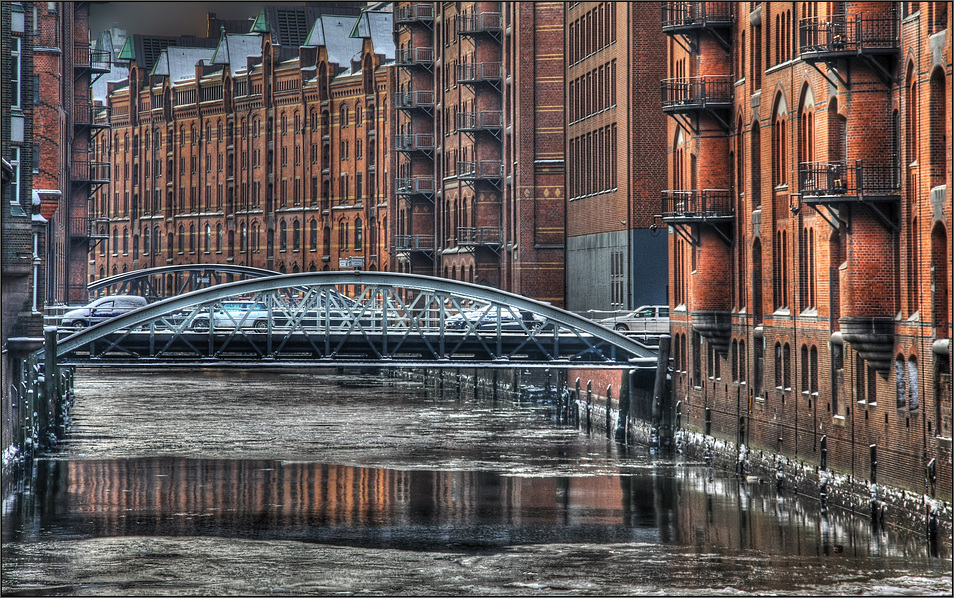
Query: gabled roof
{"points": [[334, 33], [145, 49], [290, 26], [179, 63], [234, 50], [377, 23]]}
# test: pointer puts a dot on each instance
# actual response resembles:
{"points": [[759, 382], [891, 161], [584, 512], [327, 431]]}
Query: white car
{"points": [[648, 319]]}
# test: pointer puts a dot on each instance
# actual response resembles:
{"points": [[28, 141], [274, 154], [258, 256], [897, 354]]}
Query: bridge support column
{"points": [[662, 430]]}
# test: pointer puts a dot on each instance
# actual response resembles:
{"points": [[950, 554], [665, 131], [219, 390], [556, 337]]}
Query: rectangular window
{"points": [[16, 67], [15, 183]]}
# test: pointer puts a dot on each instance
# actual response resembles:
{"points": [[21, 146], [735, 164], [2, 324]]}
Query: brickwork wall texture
{"points": [[826, 323]]}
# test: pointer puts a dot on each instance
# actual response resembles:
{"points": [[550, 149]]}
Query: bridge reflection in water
{"points": [[353, 318]]}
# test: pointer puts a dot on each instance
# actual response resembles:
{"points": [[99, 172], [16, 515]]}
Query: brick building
{"points": [[479, 139], [616, 156], [810, 233], [256, 149], [48, 67]]}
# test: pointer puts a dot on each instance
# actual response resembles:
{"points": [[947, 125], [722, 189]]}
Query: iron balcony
{"points": [[835, 182], [689, 94], [681, 17], [697, 206], [835, 36]]}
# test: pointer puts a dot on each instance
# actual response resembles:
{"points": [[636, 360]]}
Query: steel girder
{"points": [[350, 318]]}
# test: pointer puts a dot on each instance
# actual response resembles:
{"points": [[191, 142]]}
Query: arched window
{"points": [[146, 238], [192, 238], [243, 238], [806, 127], [358, 233], [208, 238], [313, 235], [938, 128], [283, 236], [914, 401], [218, 237], [911, 116], [125, 241], [296, 235], [779, 143], [181, 239]]}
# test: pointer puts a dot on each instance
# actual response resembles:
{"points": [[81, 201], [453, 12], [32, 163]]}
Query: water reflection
{"points": [[229, 488], [440, 510]]}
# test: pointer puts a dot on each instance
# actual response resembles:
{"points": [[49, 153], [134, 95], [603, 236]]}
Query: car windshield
{"points": [[242, 306]]}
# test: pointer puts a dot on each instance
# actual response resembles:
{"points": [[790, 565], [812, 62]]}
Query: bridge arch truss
{"points": [[352, 319], [168, 281]]}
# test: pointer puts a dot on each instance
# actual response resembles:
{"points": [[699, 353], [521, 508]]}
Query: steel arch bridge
{"points": [[352, 319], [168, 281]]}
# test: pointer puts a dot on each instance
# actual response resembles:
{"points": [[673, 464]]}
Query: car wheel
{"points": [[621, 328], [261, 326], [200, 325]]}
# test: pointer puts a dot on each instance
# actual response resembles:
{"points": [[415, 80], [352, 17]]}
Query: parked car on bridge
{"points": [[234, 314], [648, 319], [485, 319], [101, 310]]}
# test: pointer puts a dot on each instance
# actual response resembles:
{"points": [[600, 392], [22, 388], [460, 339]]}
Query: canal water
{"points": [[241, 483]]}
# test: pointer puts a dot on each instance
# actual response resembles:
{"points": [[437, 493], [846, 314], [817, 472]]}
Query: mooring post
{"points": [[624, 399], [661, 431], [50, 401]]}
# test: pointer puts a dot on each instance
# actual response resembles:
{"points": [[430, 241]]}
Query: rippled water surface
{"points": [[236, 483]]}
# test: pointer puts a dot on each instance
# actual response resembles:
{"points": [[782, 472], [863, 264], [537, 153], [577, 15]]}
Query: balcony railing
{"points": [[422, 185], [833, 35], [91, 228], [697, 206], [485, 22], [86, 171], [416, 12], [479, 236], [414, 99], [482, 170], [85, 114], [830, 182], [687, 94], [480, 72], [415, 142], [85, 57], [423, 243], [686, 16], [414, 57], [485, 120]]}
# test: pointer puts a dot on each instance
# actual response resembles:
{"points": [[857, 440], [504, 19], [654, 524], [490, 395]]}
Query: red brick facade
{"points": [[479, 139], [263, 160], [810, 220]]}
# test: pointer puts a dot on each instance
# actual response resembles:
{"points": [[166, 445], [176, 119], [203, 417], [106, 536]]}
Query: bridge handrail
{"points": [[642, 354]]}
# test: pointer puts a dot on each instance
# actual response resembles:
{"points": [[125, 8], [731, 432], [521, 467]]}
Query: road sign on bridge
{"points": [[352, 318]]}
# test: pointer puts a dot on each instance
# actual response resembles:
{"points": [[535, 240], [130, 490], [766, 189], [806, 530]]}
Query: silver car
{"points": [[101, 310]]}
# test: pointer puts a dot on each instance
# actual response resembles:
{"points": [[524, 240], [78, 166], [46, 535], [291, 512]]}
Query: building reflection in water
{"points": [[435, 510]]}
